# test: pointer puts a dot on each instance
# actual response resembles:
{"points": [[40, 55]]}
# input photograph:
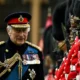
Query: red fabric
{"points": [[78, 67], [48, 22], [17, 21], [73, 58], [79, 55], [74, 61], [67, 68], [72, 75]]}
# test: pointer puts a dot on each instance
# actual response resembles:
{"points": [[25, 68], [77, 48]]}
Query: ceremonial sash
{"points": [[14, 75]]}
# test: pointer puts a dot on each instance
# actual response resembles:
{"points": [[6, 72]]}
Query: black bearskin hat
{"points": [[68, 12], [58, 20], [76, 9], [61, 16]]}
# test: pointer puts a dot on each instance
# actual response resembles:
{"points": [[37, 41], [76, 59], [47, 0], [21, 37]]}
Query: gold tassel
{"points": [[20, 68]]}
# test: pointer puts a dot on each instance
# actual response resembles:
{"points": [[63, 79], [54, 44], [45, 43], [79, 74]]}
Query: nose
{"points": [[21, 33]]}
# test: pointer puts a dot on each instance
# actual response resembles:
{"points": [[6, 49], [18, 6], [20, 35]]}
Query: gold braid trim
{"points": [[9, 63], [2, 42], [33, 45]]}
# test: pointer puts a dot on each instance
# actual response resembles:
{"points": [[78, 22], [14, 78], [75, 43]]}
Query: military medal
{"points": [[32, 73], [30, 59]]}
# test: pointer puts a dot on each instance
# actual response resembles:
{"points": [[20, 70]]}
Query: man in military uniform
{"points": [[20, 59]]}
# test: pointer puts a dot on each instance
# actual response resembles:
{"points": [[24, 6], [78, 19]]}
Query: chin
{"points": [[20, 43]]}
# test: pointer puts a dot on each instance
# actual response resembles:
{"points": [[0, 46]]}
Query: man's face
{"points": [[18, 35]]}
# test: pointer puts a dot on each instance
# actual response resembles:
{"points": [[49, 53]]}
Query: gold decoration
{"points": [[33, 45], [73, 20], [2, 42], [32, 73], [20, 19], [6, 50], [21, 25], [9, 70], [8, 63], [61, 44], [20, 68]]}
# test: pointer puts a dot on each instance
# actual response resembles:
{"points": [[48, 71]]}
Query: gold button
{"points": [[9, 70], [29, 70], [7, 50]]}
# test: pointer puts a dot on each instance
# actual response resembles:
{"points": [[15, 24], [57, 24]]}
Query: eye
{"points": [[18, 30], [27, 29], [22, 29]]}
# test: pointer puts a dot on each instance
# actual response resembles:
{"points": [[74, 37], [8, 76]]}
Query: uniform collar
{"points": [[10, 43]]}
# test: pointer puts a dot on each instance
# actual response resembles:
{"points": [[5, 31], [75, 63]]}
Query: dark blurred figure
{"points": [[52, 51], [53, 55], [57, 33], [63, 21], [60, 30]]}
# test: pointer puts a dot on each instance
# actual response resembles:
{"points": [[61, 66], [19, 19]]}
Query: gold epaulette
{"points": [[2, 42], [33, 45]]}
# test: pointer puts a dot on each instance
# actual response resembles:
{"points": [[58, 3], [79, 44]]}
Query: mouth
{"points": [[20, 39]]}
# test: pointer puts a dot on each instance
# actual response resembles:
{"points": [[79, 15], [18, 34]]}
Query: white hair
{"points": [[9, 27]]}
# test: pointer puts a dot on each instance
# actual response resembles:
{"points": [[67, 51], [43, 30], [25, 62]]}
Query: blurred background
{"points": [[39, 9]]}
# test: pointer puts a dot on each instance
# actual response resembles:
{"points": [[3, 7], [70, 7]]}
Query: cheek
{"points": [[26, 35], [13, 35]]}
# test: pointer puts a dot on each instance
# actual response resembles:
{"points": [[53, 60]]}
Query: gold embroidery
{"points": [[2, 42], [33, 45], [9, 63], [20, 19]]}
